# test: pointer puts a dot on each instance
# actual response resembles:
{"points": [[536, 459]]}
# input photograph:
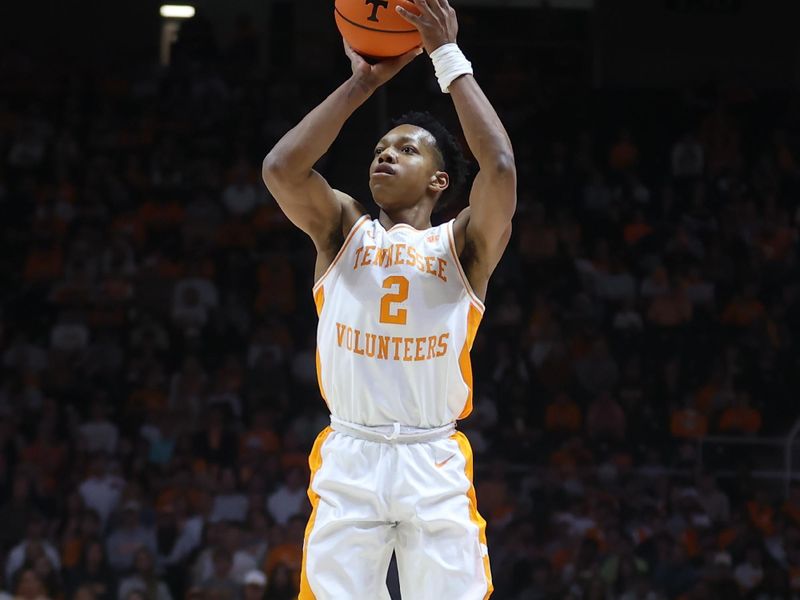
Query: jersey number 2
{"points": [[398, 316]]}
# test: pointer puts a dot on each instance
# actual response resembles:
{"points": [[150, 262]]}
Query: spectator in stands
{"points": [[255, 585], [216, 443], [229, 504], [29, 586], [740, 417], [288, 500], [715, 502], [605, 420], [17, 510], [34, 545], [144, 579], [178, 533], [287, 552], [750, 572], [688, 422], [101, 489], [99, 432], [687, 157], [237, 560], [221, 577], [127, 538], [563, 415], [93, 573], [81, 527]]}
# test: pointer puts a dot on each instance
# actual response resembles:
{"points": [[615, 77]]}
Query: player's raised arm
{"points": [[302, 193], [493, 198]]}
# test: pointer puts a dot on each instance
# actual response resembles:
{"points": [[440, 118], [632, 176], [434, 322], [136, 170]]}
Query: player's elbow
{"points": [[504, 165], [504, 176], [273, 168], [501, 169]]}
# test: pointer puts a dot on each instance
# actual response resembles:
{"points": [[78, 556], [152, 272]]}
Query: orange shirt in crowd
{"points": [[688, 423], [762, 516], [742, 313], [43, 265], [670, 309], [563, 416], [71, 551], [634, 232], [726, 537], [623, 155], [147, 399], [691, 542], [287, 554], [161, 215], [740, 419]]}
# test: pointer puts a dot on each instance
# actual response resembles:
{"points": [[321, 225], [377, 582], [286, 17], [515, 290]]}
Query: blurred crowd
{"points": [[158, 397]]}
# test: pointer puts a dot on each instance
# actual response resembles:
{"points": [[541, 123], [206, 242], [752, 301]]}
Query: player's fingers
{"points": [[408, 15], [395, 64], [347, 49], [423, 6], [354, 56]]}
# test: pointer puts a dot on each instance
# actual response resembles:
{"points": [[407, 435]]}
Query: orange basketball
{"points": [[374, 29]]}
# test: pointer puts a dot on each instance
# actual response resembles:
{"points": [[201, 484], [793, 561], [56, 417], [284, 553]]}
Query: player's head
{"points": [[419, 158]]}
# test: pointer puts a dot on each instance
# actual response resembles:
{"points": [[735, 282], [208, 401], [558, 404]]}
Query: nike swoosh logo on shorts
{"points": [[442, 463]]}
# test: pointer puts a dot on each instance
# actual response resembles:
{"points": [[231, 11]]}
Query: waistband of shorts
{"points": [[394, 433]]}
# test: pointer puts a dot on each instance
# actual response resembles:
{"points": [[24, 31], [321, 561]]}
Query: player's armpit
{"points": [[308, 201]]}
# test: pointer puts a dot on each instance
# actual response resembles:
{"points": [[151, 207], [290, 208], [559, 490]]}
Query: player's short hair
{"points": [[454, 163]]}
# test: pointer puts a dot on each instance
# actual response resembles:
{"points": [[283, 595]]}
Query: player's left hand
{"points": [[372, 76], [436, 22]]}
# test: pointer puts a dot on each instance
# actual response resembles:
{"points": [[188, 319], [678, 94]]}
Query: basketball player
{"points": [[399, 302]]}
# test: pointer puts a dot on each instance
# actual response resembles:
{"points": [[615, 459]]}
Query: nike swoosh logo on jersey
{"points": [[442, 463]]}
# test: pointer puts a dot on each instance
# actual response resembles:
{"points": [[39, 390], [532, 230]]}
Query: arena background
{"points": [[637, 373]]}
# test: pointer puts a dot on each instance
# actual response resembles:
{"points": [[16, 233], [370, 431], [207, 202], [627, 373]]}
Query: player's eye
{"points": [[409, 149], [378, 150]]}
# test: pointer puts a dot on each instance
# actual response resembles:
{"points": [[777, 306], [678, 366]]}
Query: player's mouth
{"points": [[383, 169]]}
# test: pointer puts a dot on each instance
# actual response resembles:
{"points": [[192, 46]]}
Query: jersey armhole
{"points": [[451, 240], [356, 226]]}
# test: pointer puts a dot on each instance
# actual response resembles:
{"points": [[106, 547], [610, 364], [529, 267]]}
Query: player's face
{"points": [[405, 167]]}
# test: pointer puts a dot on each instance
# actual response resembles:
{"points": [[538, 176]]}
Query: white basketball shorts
{"points": [[370, 498]]}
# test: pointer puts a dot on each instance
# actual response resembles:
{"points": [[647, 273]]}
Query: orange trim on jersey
{"points": [[319, 301], [473, 321], [315, 463], [452, 240], [356, 226], [474, 515]]}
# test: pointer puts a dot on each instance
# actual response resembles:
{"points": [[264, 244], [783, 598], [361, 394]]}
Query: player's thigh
{"points": [[441, 548], [348, 540], [346, 560]]}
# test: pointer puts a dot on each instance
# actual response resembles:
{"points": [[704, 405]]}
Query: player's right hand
{"points": [[371, 77]]}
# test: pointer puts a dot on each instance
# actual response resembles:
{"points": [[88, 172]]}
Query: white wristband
{"points": [[449, 63]]}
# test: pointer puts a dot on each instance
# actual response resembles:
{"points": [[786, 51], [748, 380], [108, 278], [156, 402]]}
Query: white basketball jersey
{"points": [[397, 318]]}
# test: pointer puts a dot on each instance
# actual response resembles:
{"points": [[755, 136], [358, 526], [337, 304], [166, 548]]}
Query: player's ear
{"points": [[440, 181]]}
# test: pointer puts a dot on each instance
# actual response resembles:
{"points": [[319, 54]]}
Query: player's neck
{"points": [[418, 217]]}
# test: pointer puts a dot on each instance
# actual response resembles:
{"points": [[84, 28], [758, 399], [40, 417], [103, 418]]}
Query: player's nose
{"points": [[387, 156]]}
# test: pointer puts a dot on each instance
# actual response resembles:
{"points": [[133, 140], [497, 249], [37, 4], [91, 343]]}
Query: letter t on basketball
{"points": [[376, 4]]}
